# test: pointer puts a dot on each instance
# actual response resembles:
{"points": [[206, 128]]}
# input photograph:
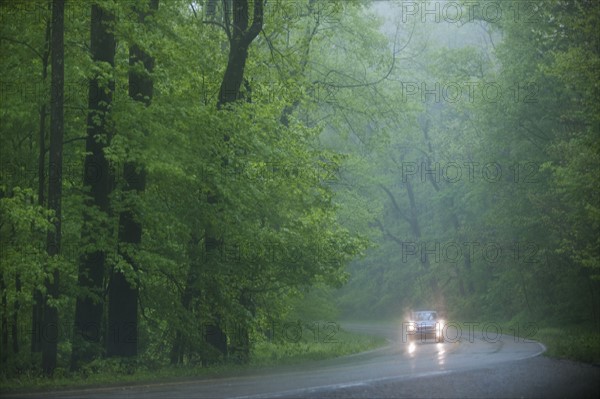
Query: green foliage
{"points": [[278, 220]]}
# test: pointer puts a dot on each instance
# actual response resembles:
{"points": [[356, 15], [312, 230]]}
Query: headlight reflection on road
{"points": [[411, 349], [441, 353]]}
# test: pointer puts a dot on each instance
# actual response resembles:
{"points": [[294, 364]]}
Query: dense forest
{"points": [[177, 176]]}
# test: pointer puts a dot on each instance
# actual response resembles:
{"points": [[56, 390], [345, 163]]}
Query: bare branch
{"points": [[8, 39], [394, 203], [376, 82], [220, 25], [386, 232]]}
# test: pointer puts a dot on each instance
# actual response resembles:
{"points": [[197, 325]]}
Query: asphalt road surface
{"points": [[473, 365]]}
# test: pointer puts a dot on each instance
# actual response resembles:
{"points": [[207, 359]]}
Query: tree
{"points": [[37, 312], [240, 37], [98, 177], [50, 318], [123, 292]]}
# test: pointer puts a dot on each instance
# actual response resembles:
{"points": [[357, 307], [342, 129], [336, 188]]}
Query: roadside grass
{"points": [[578, 343], [314, 347], [572, 343], [309, 347], [109, 372]]}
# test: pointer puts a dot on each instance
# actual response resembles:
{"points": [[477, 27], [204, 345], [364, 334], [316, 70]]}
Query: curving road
{"points": [[473, 365]]}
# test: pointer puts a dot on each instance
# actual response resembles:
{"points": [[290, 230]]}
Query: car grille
{"points": [[426, 329]]}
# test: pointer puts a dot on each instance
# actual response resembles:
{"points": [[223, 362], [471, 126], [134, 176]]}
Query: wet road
{"points": [[360, 375]]}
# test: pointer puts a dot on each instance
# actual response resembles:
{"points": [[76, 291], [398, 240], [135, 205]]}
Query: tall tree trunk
{"points": [[97, 176], [50, 322], [36, 314], [123, 294], [215, 334], [240, 34], [4, 356], [15, 318], [241, 334], [190, 291], [240, 38], [234, 74]]}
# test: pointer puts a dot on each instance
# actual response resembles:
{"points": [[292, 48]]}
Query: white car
{"points": [[424, 323]]}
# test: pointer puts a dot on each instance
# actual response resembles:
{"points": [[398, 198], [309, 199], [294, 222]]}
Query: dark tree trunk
{"points": [[241, 335], [176, 356], [241, 34], [216, 336], [15, 318], [97, 176], [123, 294], [190, 291], [50, 321], [234, 74], [240, 38], [4, 356], [36, 314], [122, 317], [414, 221]]}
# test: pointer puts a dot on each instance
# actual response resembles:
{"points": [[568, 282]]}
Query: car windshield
{"points": [[424, 316]]}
